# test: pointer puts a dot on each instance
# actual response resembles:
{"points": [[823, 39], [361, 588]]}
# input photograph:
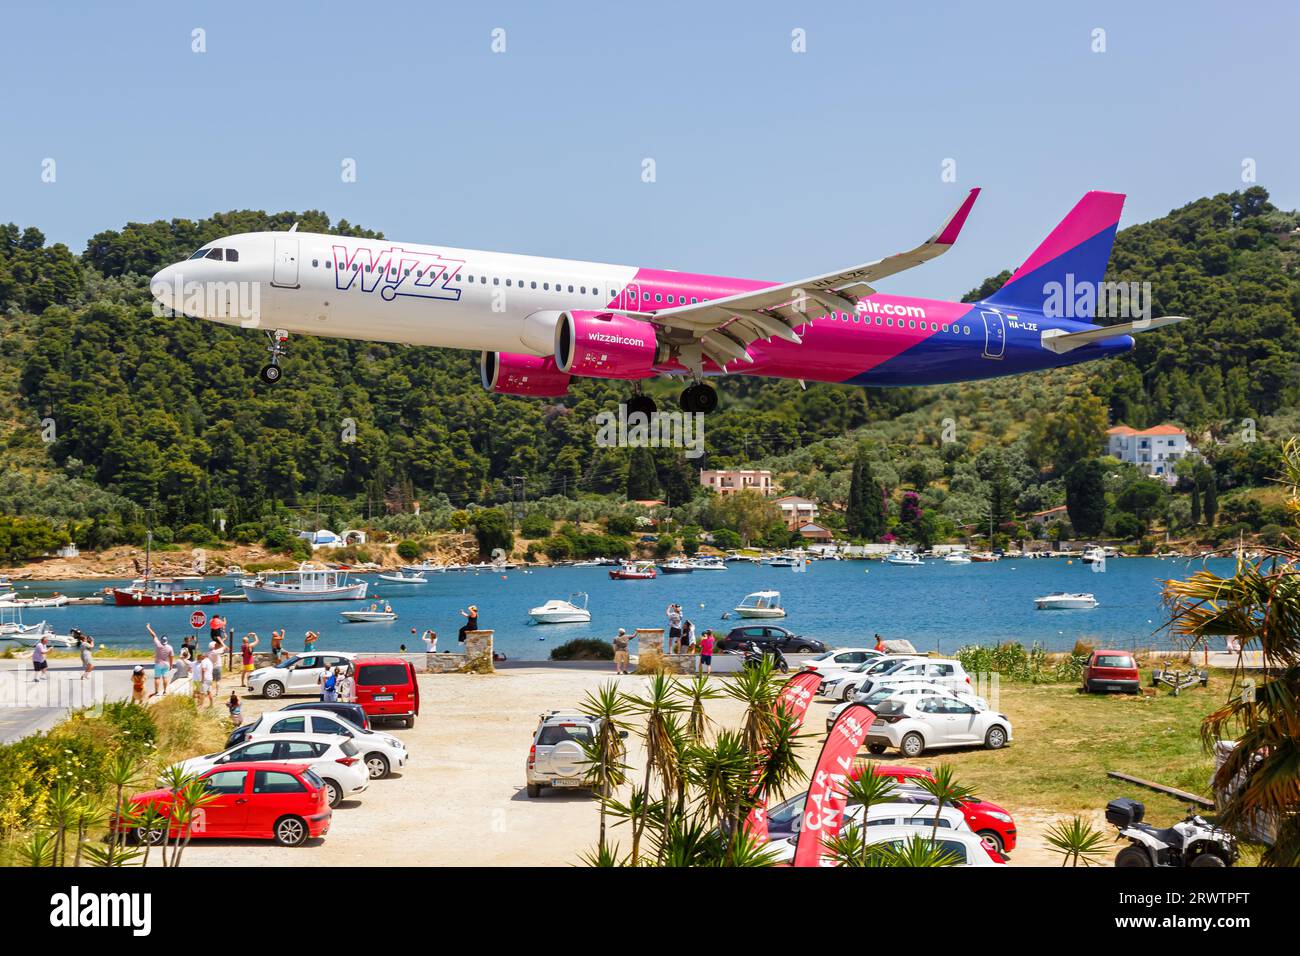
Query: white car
{"points": [[919, 724], [833, 663], [336, 760], [934, 670], [843, 684], [968, 849], [902, 690], [906, 816], [297, 675], [381, 753]]}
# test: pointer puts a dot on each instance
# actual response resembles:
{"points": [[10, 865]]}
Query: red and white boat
{"points": [[633, 571], [153, 592]]}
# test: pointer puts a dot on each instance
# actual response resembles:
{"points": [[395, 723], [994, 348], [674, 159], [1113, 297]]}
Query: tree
{"points": [[1085, 497], [1075, 431], [865, 516], [1209, 486], [1196, 505], [642, 477], [492, 530], [1144, 498]]}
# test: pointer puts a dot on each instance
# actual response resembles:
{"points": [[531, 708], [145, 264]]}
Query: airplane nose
{"points": [[163, 287]]}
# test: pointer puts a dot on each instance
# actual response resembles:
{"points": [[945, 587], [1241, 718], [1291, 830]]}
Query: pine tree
{"points": [[642, 478], [1085, 497], [1196, 505], [865, 517]]}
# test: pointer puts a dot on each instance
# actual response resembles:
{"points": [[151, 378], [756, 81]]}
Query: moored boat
{"points": [[677, 566], [404, 578], [633, 571], [308, 583], [761, 604], [557, 611], [1062, 601], [903, 556], [165, 592]]}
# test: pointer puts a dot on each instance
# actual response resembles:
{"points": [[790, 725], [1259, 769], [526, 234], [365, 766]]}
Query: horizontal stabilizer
{"points": [[1061, 342]]}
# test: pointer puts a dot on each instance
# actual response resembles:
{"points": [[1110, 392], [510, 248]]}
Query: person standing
{"points": [[203, 671], [471, 622], [215, 650], [277, 639], [309, 640], [329, 680], [673, 639], [40, 665], [347, 687], [620, 652], [162, 661], [246, 657], [86, 644], [235, 709], [137, 684], [688, 637], [880, 644], [707, 643], [184, 666], [430, 639]]}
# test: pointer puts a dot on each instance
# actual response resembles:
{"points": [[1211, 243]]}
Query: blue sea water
{"points": [[936, 606]]}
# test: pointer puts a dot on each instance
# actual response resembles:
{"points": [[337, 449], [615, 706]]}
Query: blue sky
{"points": [[769, 163]]}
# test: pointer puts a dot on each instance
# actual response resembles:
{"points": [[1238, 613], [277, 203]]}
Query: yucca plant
{"points": [[1078, 842], [121, 773], [605, 753], [695, 692], [918, 851], [658, 706], [39, 850], [866, 790], [947, 792]]}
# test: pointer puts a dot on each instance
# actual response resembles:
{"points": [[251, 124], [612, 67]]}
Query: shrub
{"points": [[278, 538], [247, 533], [535, 525], [196, 534], [408, 550], [621, 524], [583, 649]]}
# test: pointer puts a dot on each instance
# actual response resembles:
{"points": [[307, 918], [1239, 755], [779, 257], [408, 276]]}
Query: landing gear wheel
{"points": [[698, 398], [643, 404], [271, 374]]}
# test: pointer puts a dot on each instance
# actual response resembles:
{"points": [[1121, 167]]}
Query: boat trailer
{"points": [[1178, 680]]}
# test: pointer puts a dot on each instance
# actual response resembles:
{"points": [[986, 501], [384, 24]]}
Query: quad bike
{"points": [[1191, 842]]}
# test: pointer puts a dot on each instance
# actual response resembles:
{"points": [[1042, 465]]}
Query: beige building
{"points": [[731, 480], [796, 511]]}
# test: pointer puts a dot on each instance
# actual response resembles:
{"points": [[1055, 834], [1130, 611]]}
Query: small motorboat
{"points": [[372, 615], [786, 559], [985, 557], [677, 566], [957, 557], [556, 611], [708, 563], [422, 568], [761, 604], [633, 571], [903, 556], [54, 600], [404, 578], [1062, 601]]}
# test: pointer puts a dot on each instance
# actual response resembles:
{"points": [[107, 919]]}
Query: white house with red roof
{"points": [[1153, 450]]}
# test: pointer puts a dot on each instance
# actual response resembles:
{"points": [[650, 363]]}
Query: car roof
{"points": [[314, 652], [567, 716], [381, 660], [881, 834], [898, 808], [300, 712], [293, 768], [289, 738]]}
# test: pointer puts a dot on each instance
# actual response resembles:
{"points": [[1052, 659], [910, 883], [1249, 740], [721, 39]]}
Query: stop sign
{"points": [[198, 619]]}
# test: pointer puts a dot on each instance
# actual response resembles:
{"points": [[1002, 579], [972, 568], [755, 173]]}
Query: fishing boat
{"points": [[708, 563], [633, 571], [556, 611], [1061, 601], [903, 556], [148, 591], [308, 583], [761, 604], [404, 578], [677, 566], [373, 615], [985, 557], [957, 557]]}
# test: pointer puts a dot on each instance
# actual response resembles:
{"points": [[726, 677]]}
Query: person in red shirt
{"points": [[706, 652], [880, 643]]}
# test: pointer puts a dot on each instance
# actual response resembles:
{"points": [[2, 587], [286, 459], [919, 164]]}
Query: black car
{"points": [[352, 713], [769, 635]]}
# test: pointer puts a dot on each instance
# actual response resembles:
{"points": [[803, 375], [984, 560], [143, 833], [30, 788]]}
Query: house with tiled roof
{"points": [[1153, 450]]}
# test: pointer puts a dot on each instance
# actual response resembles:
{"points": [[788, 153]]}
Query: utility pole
{"points": [[516, 512]]}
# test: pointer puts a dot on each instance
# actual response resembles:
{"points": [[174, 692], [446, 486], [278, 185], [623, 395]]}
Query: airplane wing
{"points": [[723, 329], [1061, 342]]}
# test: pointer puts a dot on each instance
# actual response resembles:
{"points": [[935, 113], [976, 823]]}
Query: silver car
{"points": [[557, 758]]}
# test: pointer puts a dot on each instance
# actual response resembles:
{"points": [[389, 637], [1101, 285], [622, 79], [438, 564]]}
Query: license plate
{"points": [[383, 697], [1114, 687], [567, 782]]}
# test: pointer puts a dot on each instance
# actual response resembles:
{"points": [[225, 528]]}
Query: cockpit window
{"points": [[214, 254], [232, 255], [200, 254]]}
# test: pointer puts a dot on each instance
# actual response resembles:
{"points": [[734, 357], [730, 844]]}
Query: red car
{"points": [[387, 689], [1111, 671], [284, 802], [987, 819]]}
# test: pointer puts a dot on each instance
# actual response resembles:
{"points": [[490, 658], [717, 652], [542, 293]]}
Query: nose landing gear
{"points": [[698, 398], [271, 373]]}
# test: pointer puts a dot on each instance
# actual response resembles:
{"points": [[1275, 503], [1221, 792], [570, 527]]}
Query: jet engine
{"points": [[504, 373], [605, 345]]}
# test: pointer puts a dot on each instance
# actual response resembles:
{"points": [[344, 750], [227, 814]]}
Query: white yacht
{"points": [[903, 556], [308, 583], [708, 563], [1061, 601], [404, 578], [957, 557], [556, 611], [761, 604]]}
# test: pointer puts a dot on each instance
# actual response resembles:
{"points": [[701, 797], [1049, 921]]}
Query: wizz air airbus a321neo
{"points": [[539, 322]]}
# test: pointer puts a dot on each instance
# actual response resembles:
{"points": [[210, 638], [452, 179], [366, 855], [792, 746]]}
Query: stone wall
{"points": [[476, 650]]}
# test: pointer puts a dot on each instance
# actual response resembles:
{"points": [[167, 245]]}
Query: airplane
{"points": [[540, 322]]}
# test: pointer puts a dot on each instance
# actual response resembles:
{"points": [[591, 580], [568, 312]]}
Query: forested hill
{"points": [[170, 412]]}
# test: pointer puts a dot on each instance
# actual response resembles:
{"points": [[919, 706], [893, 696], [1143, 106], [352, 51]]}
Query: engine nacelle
{"points": [[605, 345], [504, 373]]}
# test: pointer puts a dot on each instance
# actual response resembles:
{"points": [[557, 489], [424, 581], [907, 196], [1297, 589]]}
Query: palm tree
{"points": [[695, 692], [867, 789], [605, 752], [1078, 842], [1259, 605], [946, 792], [121, 773], [659, 704]]}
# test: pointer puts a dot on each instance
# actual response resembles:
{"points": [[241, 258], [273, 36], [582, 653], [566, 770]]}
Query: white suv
{"points": [[336, 760], [297, 675], [556, 758]]}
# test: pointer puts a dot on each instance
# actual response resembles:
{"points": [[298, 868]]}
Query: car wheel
{"points": [[408, 723], [534, 790], [333, 792], [272, 689], [151, 837], [993, 837], [912, 745], [996, 738], [377, 766], [1208, 858], [876, 748], [291, 831], [1132, 856]]}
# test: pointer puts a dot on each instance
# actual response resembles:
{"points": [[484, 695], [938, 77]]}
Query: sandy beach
{"points": [[461, 800]]}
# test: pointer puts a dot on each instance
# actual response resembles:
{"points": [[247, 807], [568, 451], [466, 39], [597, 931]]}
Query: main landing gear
{"points": [[272, 372], [643, 404], [698, 398]]}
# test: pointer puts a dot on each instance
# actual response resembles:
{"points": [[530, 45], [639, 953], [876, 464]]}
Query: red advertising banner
{"points": [[794, 698], [823, 811]]}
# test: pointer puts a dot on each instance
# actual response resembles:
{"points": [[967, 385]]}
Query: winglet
{"points": [[1060, 341], [947, 235]]}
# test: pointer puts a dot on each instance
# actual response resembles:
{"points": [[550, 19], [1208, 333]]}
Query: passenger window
{"points": [[323, 725], [570, 288], [264, 750], [227, 781], [298, 750], [291, 725], [546, 286], [496, 280], [275, 781], [313, 263]]}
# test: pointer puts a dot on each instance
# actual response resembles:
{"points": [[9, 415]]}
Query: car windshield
{"points": [[886, 667], [556, 733], [823, 655], [1114, 660], [376, 675]]}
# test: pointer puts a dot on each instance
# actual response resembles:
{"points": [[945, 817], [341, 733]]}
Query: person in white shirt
{"points": [[347, 687], [204, 671], [430, 639], [39, 664]]}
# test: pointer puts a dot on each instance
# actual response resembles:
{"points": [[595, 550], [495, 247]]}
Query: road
{"points": [[29, 707]]}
